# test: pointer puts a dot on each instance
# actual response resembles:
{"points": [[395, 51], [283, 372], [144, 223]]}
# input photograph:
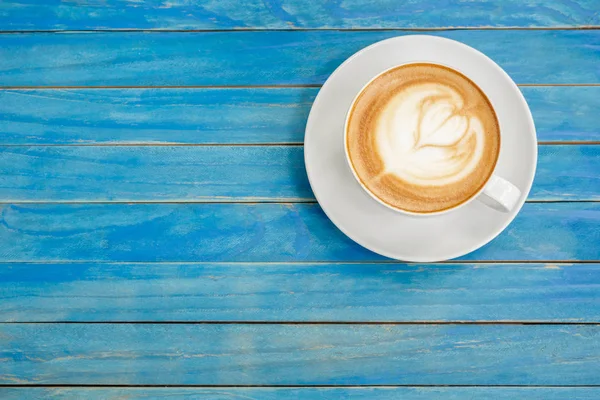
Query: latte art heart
{"points": [[425, 135], [422, 138]]}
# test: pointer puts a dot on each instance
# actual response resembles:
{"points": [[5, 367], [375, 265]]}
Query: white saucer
{"points": [[378, 228]]}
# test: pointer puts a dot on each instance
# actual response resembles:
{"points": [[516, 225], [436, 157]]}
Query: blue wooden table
{"points": [[159, 238]]}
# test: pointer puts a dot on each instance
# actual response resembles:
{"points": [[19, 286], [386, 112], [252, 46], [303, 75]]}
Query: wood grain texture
{"points": [[299, 354], [291, 14], [80, 116], [228, 116], [371, 393], [223, 173], [155, 173], [299, 292], [214, 261], [229, 58], [257, 232]]}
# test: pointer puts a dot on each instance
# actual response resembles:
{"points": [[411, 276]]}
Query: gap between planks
{"points": [[49, 385], [241, 30], [329, 323], [276, 263], [286, 201], [281, 86], [268, 144]]}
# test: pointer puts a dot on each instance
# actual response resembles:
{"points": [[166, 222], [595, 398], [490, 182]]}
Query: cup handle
{"points": [[500, 194]]}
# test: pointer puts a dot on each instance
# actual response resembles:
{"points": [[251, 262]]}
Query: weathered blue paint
{"points": [[257, 232], [144, 173], [299, 292], [223, 173], [228, 116], [230, 58], [292, 14], [80, 116], [77, 250], [218, 354], [266, 393]]}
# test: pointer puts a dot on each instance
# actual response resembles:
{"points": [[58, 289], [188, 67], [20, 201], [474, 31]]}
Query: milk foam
{"points": [[422, 138], [426, 136]]}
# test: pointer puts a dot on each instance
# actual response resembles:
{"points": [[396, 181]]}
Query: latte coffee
{"points": [[422, 138]]}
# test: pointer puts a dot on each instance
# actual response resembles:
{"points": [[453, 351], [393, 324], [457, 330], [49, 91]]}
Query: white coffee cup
{"points": [[497, 193]]}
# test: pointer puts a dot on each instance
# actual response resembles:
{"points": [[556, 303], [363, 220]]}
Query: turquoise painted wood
{"points": [[369, 393], [292, 14], [224, 116], [299, 354], [293, 58], [264, 173], [299, 292], [229, 116], [223, 173], [241, 251], [257, 232]]}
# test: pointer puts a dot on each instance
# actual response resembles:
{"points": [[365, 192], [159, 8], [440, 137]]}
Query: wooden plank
{"points": [[155, 173], [291, 14], [228, 116], [234, 354], [251, 115], [557, 121], [297, 57], [349, 393], [223, 173], [80, 292], [257, 232]]}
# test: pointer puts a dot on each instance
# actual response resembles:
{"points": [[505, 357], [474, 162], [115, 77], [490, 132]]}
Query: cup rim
{"points": [[368, 191]]}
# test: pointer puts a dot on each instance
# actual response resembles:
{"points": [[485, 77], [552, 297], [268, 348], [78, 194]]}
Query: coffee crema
{"points": [[422, 138]]}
